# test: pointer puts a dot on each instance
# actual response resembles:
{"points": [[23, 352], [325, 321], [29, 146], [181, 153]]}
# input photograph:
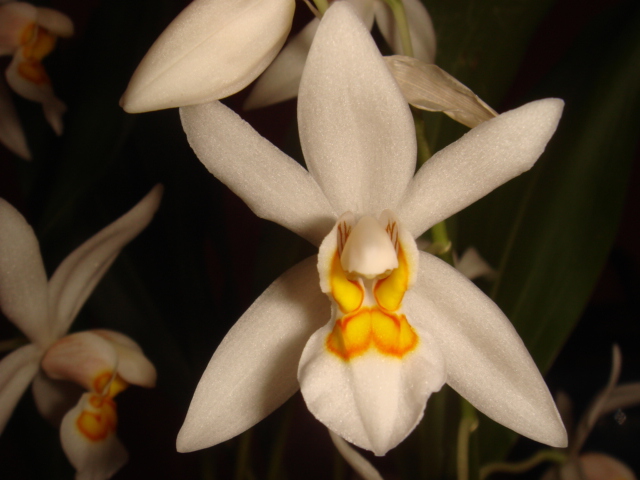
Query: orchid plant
{"points": [[29, 33], [76, 376], [369, 328]]}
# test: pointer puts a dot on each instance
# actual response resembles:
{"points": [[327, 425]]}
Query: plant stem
{"points": [[519, 467], [468, 424], [321, 5], [397, 8]]}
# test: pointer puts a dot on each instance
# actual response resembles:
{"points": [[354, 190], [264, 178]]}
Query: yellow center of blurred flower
{"points": [[39, 44], [99, 419]]}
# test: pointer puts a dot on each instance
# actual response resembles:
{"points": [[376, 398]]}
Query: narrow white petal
{"points": [[486, 361], [79, 273], [473, 266], [356, 129], [210, 51], [54, 398], [23, 281], [423, 36], [11, 132], [253, 371], [482, 160], [281, 80], [16, 373], [373, 401], [84, 358], [133, 366], [428, 87], [353, 458], [623, 396], [273, 185], [96, 459]]}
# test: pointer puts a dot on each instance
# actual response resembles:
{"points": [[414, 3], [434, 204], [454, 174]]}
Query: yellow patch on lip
{"points": [[101, 421], [371, 327], [115, 387], [390, 291], [348, 294]]}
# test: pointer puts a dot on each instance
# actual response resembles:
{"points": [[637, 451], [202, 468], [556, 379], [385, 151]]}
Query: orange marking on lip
{"points": [[98, 424], [27, 33], [371, 327], [33, 72], [40, 46]]}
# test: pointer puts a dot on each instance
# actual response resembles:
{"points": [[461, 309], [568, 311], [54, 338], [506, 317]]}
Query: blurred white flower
{"points": [[213, 49], [400, 322], [29, 34], [101, 363], [595, 465]]}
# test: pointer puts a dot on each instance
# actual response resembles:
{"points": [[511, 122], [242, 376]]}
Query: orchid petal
{"points": [[353, 458], [356, 129], [54, 398], [84, 358], [623, 396], [93, 459], [473, 266], [210, 51], [55, 22], [486, 361], [273, 185], [423, 36], [430, 88], [11, 132], [598, 466], [16, 372], [79, 273], [253, 371], [281, 80], [133, 366], [15, 19], [485, 158], [23, 281], [373, 401]]}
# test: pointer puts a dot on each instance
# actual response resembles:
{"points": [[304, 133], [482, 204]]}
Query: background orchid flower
{"points": [[213, 49], [99, 362], [29, 34], [281, 80], [399, 323], [595, 465]]}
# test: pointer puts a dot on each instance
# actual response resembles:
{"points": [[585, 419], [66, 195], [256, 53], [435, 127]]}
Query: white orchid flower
{"points": [[398, 323], [100, 362], [213, 49], [29, 34], [281, 80]]}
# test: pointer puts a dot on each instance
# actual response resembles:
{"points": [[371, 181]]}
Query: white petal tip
{"points": [[186, 443]]}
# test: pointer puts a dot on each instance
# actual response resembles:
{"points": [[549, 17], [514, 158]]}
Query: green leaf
{"points": [[550, 230], [481, 44]]}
